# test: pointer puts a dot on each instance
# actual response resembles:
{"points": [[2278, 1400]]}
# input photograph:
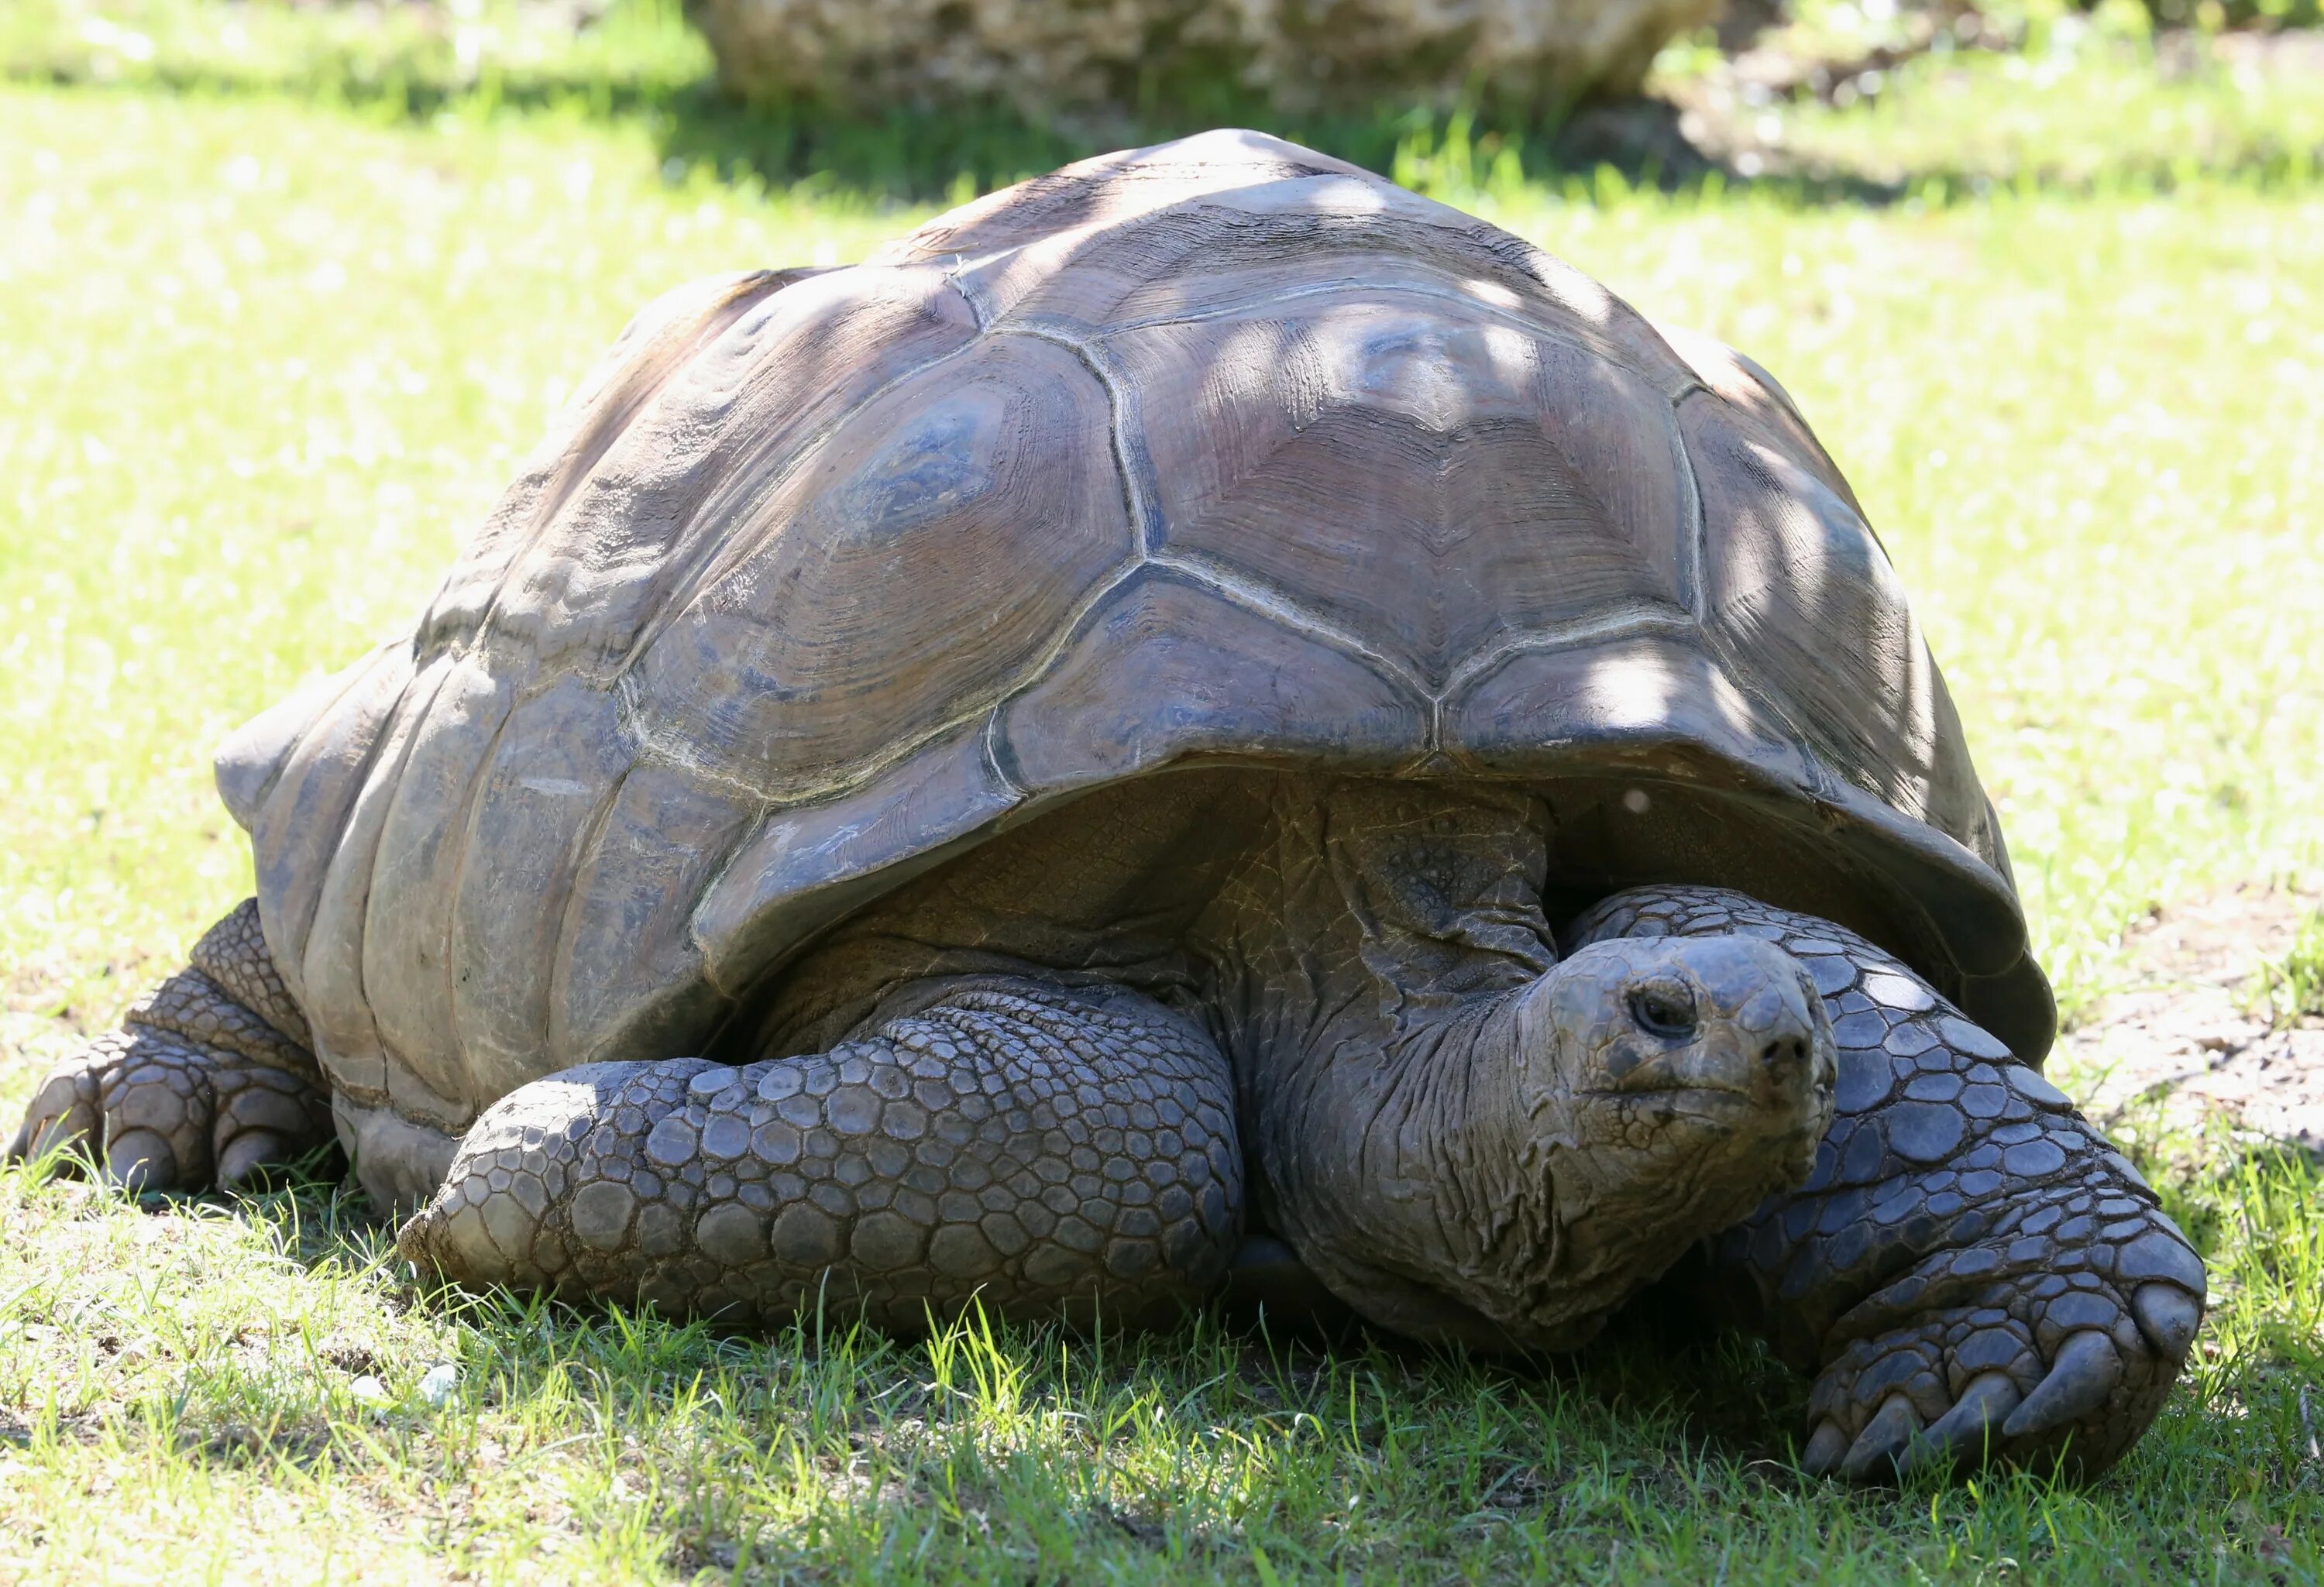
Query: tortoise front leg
{"points": [[208, 1082], [1052, 1149], [1972, 1269]]}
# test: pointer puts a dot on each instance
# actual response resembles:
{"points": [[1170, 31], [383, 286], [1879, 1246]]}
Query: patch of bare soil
{"points": [[2190, 1028]]}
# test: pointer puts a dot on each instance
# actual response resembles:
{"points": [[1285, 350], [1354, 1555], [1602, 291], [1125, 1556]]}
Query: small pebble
{"points": [[438, 1383]]}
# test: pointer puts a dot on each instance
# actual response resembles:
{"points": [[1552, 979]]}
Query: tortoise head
{"points": [[1665, 1086]]}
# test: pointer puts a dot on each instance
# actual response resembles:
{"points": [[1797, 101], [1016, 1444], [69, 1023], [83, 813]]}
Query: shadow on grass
{"points": [[915, 157], [1658, 1377], [1655, 1373], [1661, 1375], [954, 153], [640, 67], [1206, 1449], [1034, 1419], [1663, 1383]]}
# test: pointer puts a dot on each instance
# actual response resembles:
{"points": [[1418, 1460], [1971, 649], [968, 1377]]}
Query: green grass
{"points": [[2096, 115], [203, 1394], [2291, 989], [2087, 107], [269, 353]]}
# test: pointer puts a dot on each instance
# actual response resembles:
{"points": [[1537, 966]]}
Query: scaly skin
{"points": [[1972, 1269], [1465, 1138], [1059, 1150], [209, 1081], [1074, 1150]]}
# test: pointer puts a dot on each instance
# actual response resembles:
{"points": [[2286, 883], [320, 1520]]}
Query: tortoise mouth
{"points": [[1694, 1095], [1757, 1083], [1723, 1105]]}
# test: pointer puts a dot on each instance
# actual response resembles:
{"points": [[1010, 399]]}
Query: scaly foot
{"points": [[208, 1082], [1972, 1271], [1050, 1148]]}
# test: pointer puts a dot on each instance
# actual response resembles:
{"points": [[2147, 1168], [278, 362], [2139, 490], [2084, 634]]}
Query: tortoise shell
{"points": [[1217, 452]]}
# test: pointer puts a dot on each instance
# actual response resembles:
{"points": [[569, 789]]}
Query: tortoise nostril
{"points": [[1785, 1052]]}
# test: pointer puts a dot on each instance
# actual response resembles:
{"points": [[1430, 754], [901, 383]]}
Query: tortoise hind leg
{"points": [[1971, 1271], [209, 1081], [1053, 1148]]}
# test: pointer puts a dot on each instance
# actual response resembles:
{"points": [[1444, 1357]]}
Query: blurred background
{"points": [[937, 97], [287, 291]]}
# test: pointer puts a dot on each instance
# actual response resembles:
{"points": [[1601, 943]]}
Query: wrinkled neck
{"points": [[1381, 909], [1366, 965]]}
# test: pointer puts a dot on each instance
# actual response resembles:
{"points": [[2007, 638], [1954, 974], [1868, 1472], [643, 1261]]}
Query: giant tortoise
{"points": [[1199, 716]]}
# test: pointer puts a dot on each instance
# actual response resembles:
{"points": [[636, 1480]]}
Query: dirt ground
{"points": [[2190, 1024]]}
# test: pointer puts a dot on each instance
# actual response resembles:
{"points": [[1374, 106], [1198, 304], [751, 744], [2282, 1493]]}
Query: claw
{"points": [[2086, 1370], [36, 1136], [1883, 1437], [1969, 1429], [2161, 1253], [2168, 1316], [139, 1160], [1826, 1444], [62, 1115], [250, 1155]]}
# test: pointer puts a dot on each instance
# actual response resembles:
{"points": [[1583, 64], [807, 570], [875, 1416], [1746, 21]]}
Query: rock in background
{"points": [[1114, 62]]}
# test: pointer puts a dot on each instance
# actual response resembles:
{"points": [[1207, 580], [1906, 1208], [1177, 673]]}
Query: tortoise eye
{"points": [[1664, 1008]]}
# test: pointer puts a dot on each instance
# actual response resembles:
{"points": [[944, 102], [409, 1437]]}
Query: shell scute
{"points": [[627, 972], [1231, 252], [1508, 480], [557, 764], [806, 865], [316, 778], [1109, 190], [662, 506], [251, 762], [1757, 401], [1804, 600], [1651, 700], [425, 849], [1162, 672], [1216, 451], [903, 580], [660, 344], [1235, 218], [331, 969]]}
